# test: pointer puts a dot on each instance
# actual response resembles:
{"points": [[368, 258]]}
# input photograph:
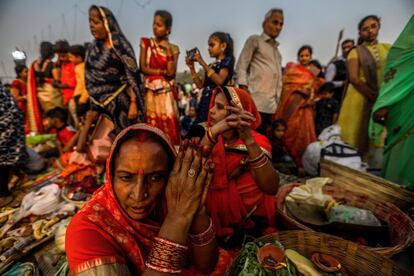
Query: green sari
{"points": [[397, 95]]}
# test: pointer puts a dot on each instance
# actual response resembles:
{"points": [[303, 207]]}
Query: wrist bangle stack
{"points": [[258, 162], [205, 237], [210, 138], [210, 72], [166, 256]]}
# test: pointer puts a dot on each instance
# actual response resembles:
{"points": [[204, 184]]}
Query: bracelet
{"points": [[261, 164], [205, 237], [170, 58], [210, 72], [166, 256], [210, 136], [260, 156]]}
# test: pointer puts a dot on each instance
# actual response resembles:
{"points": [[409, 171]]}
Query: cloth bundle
{"points": [[311, 192]]}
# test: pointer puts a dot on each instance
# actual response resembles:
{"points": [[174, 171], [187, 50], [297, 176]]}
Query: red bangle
{"points": [[205, 237], [170, 58], [166, 256]]}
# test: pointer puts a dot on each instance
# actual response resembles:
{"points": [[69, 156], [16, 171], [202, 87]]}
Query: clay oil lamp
{"points": [[272, 257], [326, 263]]}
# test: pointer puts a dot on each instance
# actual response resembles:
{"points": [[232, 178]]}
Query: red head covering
{"points": [[238, 98], [226, 203], [103, 210]]}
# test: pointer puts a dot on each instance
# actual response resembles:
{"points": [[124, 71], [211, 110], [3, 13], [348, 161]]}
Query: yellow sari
{"points": [[350, 117]]}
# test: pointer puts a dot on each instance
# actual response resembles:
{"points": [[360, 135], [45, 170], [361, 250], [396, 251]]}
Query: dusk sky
{"points": [[24, 23]]}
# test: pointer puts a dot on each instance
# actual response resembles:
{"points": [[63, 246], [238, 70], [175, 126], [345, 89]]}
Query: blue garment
{"points": [[107, 69], [325, 109], [209, 85]]}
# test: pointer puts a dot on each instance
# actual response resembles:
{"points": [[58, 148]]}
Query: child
{"points": [[66, 135], [158, 62], [326, 108], [80, 94], [19, 87], [188, 121], [285, 160], [218, 73], [64, 71]]}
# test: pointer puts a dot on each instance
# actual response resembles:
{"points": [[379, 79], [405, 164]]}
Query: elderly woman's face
{"points": [[140, 176], [218, 111]]}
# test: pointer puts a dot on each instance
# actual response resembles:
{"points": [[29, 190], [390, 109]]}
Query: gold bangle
{"points": [[257, 158], [210, 136], [261, 165], [210, 72]]}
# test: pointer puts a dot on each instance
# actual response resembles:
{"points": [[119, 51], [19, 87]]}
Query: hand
{"points": [[189, 62], [238, 119], [372, 97], [197, 57], [133, 111], [189, 181], [381, 115], [301, 172]]}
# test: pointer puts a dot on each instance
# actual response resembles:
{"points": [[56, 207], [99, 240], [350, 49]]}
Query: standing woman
{"points": [[41, 95], [365, 69], [299, 88], [158, 62], [111, 72]]}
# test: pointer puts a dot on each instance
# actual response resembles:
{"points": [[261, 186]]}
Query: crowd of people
{"points": [[188, 170]]}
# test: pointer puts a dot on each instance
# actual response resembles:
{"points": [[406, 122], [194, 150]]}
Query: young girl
{"points": [[218, 73], [285, 159], [158, 62]]}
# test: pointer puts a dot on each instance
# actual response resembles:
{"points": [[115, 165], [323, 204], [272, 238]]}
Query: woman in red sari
{"points": [[140, 221], [19, 90], [295, 108], [158, 63], [241, 198]]}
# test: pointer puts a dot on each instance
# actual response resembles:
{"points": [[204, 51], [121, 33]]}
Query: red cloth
{"points": [[68, 76], [299, 85], [101, 229], [230, 200], [161, 105], [65, 134], [34, 115], [22, 88]]}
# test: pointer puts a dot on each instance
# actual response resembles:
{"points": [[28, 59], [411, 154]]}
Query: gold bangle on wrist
{"points": [[210, 136], [258, 166]]}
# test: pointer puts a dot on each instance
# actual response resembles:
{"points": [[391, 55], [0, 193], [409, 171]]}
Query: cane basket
{"points": [[369, 184], [401, 227], [355, 259]]}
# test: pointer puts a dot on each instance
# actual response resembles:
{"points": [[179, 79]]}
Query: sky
{"points": [[25, 23]]}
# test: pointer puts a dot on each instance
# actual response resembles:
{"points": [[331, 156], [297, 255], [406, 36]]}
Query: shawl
{"points": [[105, 72]]}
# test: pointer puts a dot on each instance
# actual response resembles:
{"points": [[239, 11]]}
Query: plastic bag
{"points": [[353, 215]]}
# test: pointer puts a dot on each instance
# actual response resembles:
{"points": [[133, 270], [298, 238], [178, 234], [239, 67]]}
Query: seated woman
{"points": [[241, 197], [139, 222]]}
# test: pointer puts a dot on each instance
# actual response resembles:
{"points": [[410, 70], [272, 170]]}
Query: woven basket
{"points": [[368, 184], [401, 227], [354, 258]]}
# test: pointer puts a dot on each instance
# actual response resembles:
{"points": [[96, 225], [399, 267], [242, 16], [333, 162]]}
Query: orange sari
{"points": [[299, 85]]}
